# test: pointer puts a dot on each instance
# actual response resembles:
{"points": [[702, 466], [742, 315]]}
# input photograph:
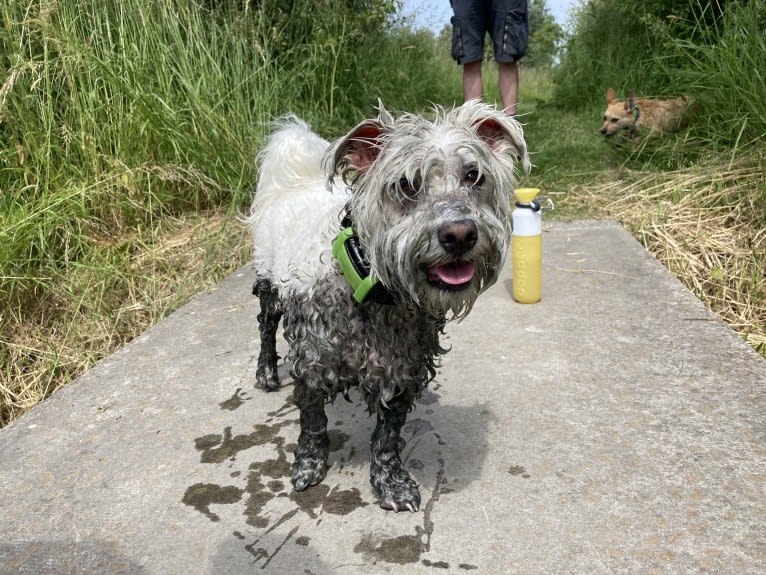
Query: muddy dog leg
{"points": [[266, 375], [310, 464], [391, 482]]}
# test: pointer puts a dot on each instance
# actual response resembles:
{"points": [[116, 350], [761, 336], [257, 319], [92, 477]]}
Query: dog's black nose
{"points": [[459, 237]]}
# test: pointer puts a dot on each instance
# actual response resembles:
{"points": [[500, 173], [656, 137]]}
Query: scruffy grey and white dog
{"points": [[425, 210]]}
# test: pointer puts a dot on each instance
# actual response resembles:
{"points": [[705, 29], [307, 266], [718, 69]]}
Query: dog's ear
{"points": [[490, 130], [353, 154], [362, 145], [611, 96], [384, 118], [630, 102], [500, 133]]}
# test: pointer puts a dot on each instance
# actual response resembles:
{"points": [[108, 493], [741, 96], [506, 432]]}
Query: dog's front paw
{"points": [[308, 471], [396, 489], [267, 378]]}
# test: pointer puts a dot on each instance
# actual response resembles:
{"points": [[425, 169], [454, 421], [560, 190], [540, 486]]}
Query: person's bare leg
{"points": [[472, 86], [508, 80]]}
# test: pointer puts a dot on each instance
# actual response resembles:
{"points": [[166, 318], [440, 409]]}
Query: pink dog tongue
{"points": [[454, 273]]}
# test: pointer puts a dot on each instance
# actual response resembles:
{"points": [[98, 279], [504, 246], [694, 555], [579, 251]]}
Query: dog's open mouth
{"points": [[452, 276]]}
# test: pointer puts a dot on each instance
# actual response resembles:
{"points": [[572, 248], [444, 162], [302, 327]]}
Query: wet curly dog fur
{"points": [[428, 201]]}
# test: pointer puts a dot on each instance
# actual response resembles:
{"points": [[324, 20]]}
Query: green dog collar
{"points": [[356, 269]]}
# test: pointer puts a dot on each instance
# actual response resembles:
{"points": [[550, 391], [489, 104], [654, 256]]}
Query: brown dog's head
{"points": [[619, 114]]}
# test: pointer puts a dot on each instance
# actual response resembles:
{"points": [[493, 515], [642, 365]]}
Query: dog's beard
{"points": [[410, 261]]}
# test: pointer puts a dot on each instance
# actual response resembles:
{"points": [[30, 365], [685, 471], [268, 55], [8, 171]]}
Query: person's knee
{"points": [[472, 68]]}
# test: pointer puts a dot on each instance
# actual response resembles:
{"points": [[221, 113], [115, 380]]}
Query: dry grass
{"points": [[707, 225], [93, 313]]}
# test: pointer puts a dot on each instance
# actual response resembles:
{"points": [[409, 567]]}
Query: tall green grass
{"points": [[114, 114], [629, 46], [724, 66]]}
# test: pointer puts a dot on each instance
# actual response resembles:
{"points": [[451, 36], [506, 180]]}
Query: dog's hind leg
{"points": [[391, 482], [266, 375], [310, 464]]}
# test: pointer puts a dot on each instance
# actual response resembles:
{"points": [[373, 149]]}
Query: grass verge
{"points": [[105, 300], [702, 215], [707, 225]]}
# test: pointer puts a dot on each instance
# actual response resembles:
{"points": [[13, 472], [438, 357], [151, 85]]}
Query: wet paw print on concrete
{"points": [[409, 549], [404, 549], [519, 471], [266, 481], [235, 401], [264, 487]]}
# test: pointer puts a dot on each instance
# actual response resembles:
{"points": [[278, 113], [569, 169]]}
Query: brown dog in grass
{"points": [[640, 118]]}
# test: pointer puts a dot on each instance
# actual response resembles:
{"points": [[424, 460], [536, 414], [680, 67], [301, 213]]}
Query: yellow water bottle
{"points": [[527, 247]]}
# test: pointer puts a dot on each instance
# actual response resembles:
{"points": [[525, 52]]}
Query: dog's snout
{"points": [[458, 238]]}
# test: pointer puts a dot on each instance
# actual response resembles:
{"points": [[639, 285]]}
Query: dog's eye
{"points": [[408, 188], [614, 120], [474, 178]]}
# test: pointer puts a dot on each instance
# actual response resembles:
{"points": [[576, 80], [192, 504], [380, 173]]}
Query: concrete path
{"points": [[615, 427]]}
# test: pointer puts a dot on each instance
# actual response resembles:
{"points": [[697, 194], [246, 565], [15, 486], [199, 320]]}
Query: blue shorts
{"points": [[507, 22]]}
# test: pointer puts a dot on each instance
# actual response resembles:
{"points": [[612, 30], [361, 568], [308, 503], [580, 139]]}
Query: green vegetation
{"points": [[696, 200], [128, 132], [713, 51]]}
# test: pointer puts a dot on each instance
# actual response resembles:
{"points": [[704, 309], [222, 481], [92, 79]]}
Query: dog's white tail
{"points": [[293, 154]]}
